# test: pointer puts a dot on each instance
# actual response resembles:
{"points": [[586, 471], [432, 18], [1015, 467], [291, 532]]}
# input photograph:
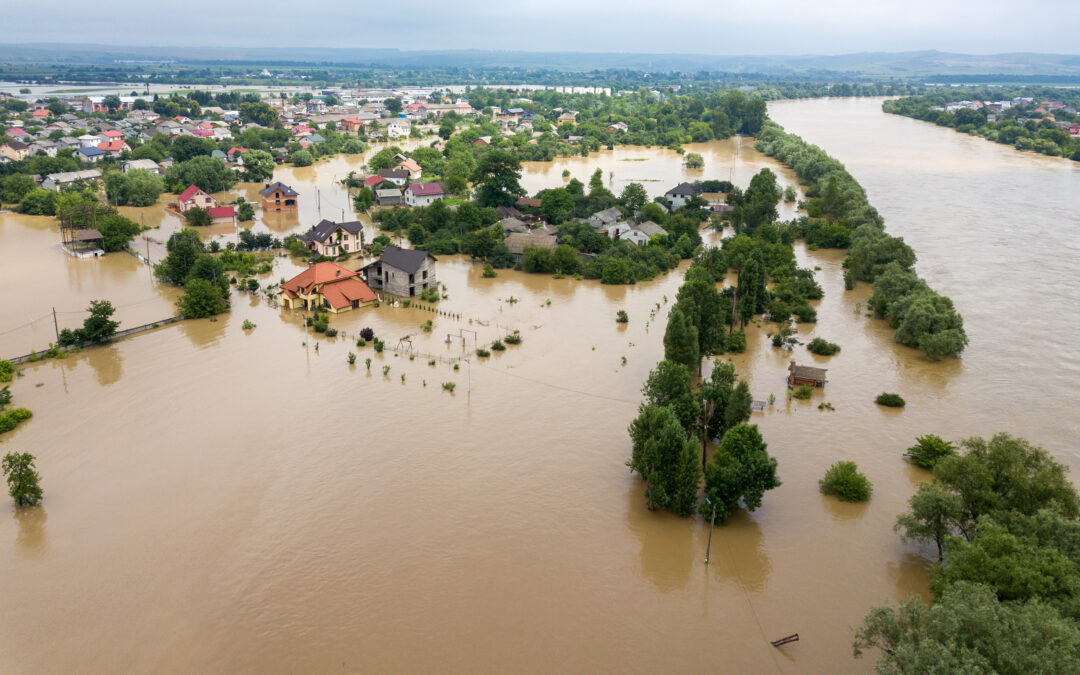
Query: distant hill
{"points": [[878, 64]]}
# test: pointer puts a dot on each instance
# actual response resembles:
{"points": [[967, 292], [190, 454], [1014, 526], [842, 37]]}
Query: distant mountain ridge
{"points": [[881, 64]]}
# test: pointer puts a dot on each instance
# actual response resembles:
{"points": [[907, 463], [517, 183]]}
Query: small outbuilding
{"points": [[799, 376]]}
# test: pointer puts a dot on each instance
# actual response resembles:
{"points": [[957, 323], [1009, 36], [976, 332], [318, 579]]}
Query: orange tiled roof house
{"points": [[326, 285]]}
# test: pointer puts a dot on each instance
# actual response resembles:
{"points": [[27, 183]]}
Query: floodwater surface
{"points": [[225, 500]]}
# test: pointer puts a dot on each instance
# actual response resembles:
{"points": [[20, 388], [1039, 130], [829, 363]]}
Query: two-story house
{"points": [[332, 239], [194, 196], [423, 194], [401, 271], [278, 197]]}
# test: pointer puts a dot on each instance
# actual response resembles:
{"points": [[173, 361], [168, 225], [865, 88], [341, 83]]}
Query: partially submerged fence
{"points": [[37, 356]]}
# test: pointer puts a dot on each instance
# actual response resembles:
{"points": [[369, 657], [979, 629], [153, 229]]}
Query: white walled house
{"points": [[423, 194]]}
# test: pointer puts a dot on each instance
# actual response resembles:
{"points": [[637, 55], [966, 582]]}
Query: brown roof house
{"points": [[805, 375], [332, 239], [278, 197], [517, 242], [402, 271], [327, 285]]}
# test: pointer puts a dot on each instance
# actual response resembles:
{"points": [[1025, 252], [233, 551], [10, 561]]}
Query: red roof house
{"points": [[328, 285], [194, 196], [114, 148]]}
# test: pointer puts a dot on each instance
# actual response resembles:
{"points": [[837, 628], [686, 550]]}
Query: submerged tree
{"points": [[740, 473], [666, 459], [22, 479]]}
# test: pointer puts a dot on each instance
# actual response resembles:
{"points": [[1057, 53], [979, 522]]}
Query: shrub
{"points": [[352, 358], [514, 339], [489, 273], [7, 371], [822, 347], [367, 362], [928, 450], [367, 334], [386, 370], [736, 342], [247, 325], [890, 400], [803, 392], [426, 326], [449, 386], [331, 332], [5, 396], [361, 342], [622, 316], [378, 345], [804, 313], [9, 419], [844, 482], [498, 346], [483, 353]]}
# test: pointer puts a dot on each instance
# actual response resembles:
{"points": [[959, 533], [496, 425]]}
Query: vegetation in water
{"points": [[621, 316], [1003, 519], [247, 325], [844, 481], [928, 451], [822, 347], [803, 392], [98, 327], [449, 386], [890, 400], [24, 482]]}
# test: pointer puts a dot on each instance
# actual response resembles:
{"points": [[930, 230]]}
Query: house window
{"points": [[425, 274], [411, 279]]}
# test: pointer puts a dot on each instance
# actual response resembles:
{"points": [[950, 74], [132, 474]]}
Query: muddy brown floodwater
{"points": [[220, 500]]}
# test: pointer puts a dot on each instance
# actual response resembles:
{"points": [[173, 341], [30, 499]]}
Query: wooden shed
{"points": [[805, 375]]}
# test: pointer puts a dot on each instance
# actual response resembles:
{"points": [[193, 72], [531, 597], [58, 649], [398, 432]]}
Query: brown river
{"points": [[221, 500]]}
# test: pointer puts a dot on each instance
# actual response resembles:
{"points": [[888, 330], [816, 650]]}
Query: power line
{"points": [[559, 387]]}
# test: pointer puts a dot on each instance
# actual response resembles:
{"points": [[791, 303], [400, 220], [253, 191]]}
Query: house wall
{"points": [[276, 202], [426, 200], [202, 200], [398, 282]]}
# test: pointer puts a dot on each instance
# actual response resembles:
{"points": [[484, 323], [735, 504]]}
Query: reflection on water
{"points": [[107, 362], [667, 550], [32, 538], [739, 547]]}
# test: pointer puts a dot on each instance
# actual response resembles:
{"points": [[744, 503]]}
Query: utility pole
{"points": [[56, 326], [712, 524], [706, 417]]}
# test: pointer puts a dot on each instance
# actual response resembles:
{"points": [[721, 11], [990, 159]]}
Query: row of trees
{"points": [[676, 419], [200, 273], [841, 217], [1004, 522]]}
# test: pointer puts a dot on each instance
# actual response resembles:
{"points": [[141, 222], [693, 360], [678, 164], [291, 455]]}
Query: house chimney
{"points": [[267, 185], [337, 273]]}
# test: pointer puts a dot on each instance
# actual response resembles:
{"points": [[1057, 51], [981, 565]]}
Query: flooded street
{"points": [[221, 500]]}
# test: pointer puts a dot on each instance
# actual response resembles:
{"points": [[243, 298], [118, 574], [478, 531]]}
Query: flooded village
{"points": [[243, 493]]}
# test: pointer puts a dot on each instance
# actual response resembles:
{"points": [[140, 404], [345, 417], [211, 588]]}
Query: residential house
{"points": [[89, 140], [48, 147], [41, 113], [528, 202], [388, 197], [650, 229], [144, 164], [372, 181], [277, 197], [397, 128], [423, 194], [18, 134], [91, 154], [329, 286], [401, 271], [114, 148], [396, 176], [618, 127], [517, 242], [332, 239], [680, 194], [602, 219], [482, 141], [194, 196], [511, 225], [805, 375], [15, 150], [354, 126], [508, 212], [55, 181], [169, 128], [410, 165], [570, 117]]}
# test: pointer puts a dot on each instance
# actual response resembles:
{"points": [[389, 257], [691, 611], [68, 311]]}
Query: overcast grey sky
{"points": [[638, 26]]}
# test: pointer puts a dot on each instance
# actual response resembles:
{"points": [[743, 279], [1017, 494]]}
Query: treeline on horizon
{"points": [[1025, 126]]}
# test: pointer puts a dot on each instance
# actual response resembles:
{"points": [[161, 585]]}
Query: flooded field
{"points": [[221, 500]]}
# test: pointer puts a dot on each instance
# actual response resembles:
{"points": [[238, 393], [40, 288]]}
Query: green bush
{"points": [[331, 332], [498, 346], [361, 342], [7, 371], [379, 344], [514, 339], [736, 342], [622, 317], [928, 450], [890, 400], [449, 386], [247, 325], [803, 392], [489, 273], [483, 353], [822, 347], [352, 358], [844, 482], [804, 313], [9, 419]]}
